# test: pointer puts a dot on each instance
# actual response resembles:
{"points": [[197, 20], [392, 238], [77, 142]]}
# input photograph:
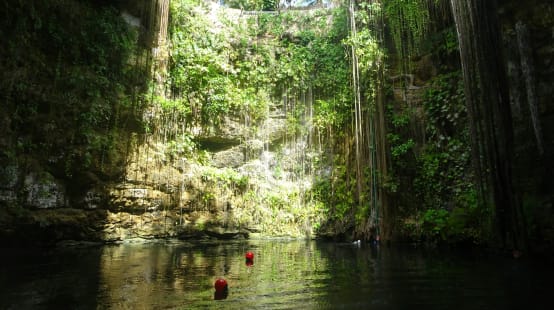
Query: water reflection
{"points": [[221, 289], [286, 275], [249, 259]]}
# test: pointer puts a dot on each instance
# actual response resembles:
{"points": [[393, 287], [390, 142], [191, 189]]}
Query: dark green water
{"points": [[285, 275]]}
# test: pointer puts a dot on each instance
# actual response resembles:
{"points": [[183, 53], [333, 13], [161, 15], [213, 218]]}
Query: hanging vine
{"points": [[408, 23], [367, 58]]}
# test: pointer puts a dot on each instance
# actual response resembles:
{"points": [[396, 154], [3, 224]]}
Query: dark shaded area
{"points": [[527, 46], [72, 74], [310, 275], [22, 228], [69, 90], [407, 277], [215, 144]]}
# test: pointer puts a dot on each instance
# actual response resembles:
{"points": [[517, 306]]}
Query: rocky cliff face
{"points": [[249, 178], [527, 35], [224, 196], [244, 177]]}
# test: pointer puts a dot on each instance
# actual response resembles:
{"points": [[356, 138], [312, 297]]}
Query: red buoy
{"points": [[220, 285], [249, 255]]}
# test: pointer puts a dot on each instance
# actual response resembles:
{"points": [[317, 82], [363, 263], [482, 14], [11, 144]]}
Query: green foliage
{"points": [[448, 43], [239, 69], [445, 108], [326, 115], [68, 91], [253, 5], [369, 53], [217, 72], [443, 177], [462, 223], [400, 138], [198, 66], [435, 222], [276, 201], [183, 146], [225, 178], [398, 146], [444, 165], [408, 20], [207, 198], [274, 62], [335, 114], [337, 194]]}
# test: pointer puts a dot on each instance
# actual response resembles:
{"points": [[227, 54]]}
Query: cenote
{"points": [[146, 146], [284, 275]]}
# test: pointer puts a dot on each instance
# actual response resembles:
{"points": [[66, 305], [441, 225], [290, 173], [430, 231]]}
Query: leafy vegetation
{"points": [[440, 169], [70, 84], [409, 21], [211, 74], [253, 5], [80, 90], [292, 63]]}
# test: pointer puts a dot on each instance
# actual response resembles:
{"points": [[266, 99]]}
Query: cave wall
{"points": [[143, 187], [528, 39], [44, 199], [72, 74]]}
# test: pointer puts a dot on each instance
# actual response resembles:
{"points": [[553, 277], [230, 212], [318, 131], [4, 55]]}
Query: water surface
{"points": [[285, 275]]}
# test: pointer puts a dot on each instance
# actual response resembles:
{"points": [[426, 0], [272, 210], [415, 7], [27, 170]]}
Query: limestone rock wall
{"points": [[528, 38]]}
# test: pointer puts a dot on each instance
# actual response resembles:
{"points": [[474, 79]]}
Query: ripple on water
{"points": [[285, 275]]}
